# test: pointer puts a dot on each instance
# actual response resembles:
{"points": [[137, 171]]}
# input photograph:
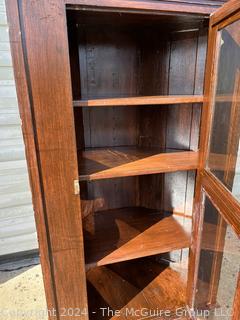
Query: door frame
{"points": [[220, 196]]}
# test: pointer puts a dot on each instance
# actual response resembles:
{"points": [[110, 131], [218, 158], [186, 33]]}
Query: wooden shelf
{"points": [[128, 233], [104, 163], [138, 101], [139, 284]]}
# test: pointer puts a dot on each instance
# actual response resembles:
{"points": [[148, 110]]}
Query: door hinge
{"points": [[76, 187]]}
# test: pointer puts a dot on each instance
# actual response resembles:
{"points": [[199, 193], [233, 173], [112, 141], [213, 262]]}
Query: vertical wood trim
{"points": [[209, 87], [194, 252], [46, 59], [209, 90], [31, 154], [236, 303], [217, 261]]}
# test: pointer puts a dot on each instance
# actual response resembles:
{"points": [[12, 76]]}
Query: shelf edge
{"points": [[136, 101], [125, 170]]}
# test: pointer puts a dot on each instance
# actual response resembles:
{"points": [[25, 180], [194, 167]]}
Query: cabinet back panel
{"points": [[148, 66], [108, 62], [108, 68], [110, 126], [144, 191], [109, 194], [124, 57]]}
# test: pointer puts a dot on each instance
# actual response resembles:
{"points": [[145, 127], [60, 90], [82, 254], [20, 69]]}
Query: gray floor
{"points": [[21, 291]]}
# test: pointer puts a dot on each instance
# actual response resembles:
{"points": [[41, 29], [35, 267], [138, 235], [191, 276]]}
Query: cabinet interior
{"points": [[136, 162]]}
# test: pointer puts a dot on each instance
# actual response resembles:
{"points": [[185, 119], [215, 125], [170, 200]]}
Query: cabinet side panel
{"points": [[45, 35], [30, 148]]}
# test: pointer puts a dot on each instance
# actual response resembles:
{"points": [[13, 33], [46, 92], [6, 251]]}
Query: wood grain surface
{"points": [[138, 101], [124, 162], [129, 233]]}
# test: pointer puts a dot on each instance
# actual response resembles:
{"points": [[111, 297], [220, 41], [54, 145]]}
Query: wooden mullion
{"points": [[209, 92], [223, 200], [217, 261]]}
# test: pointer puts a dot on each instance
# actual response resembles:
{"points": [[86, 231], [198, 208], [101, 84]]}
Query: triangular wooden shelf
{"points": [[138, 101], [128, 233], [104, 163]]}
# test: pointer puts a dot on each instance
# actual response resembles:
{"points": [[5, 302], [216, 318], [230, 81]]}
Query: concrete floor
{"points": [[21, 291]]}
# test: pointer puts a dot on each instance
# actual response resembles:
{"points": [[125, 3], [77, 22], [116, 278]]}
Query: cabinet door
{"points": [[215, 253]]}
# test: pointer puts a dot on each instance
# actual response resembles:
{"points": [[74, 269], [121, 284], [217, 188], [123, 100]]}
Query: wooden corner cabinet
{"points": [[131, 119]]}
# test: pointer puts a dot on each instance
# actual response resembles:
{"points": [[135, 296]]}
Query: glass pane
{"points": [[218, 267], [224, 153]]}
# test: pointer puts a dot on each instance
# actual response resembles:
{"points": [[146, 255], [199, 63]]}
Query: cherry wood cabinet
{"points": [[130, 116]]}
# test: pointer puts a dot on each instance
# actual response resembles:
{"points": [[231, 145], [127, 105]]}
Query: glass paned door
{"points": [[224, 149], [218, 267], [214, 276]]}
